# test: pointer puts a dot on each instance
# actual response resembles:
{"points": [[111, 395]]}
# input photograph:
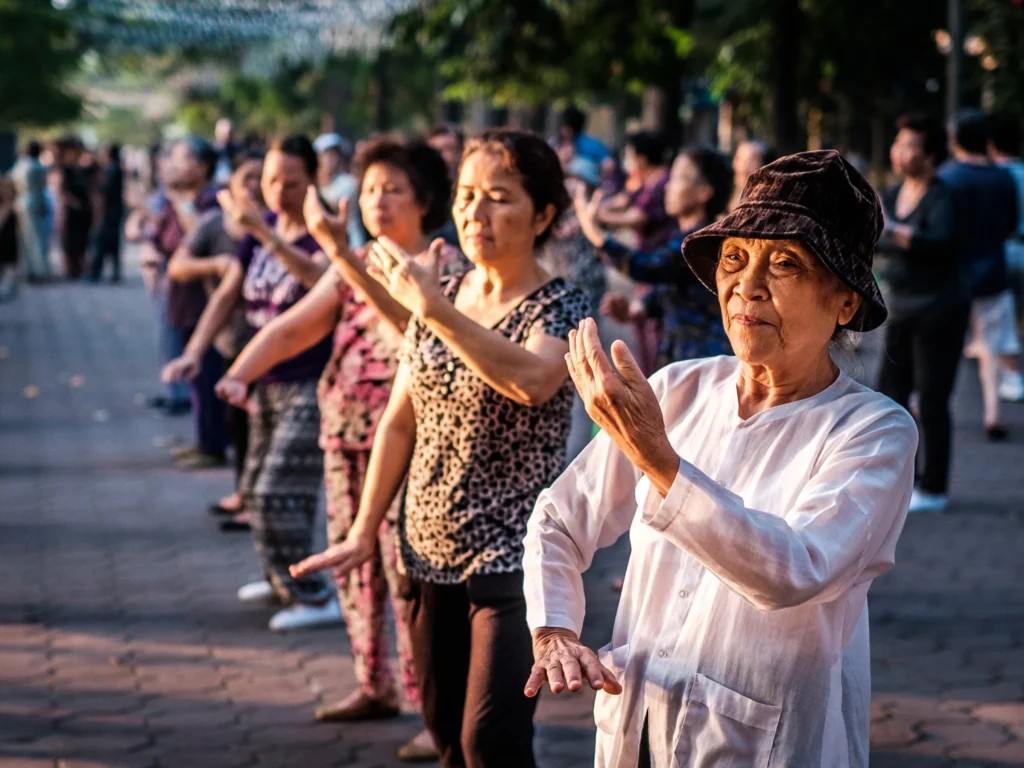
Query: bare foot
{"points": [[232, 501], [359, 706]]}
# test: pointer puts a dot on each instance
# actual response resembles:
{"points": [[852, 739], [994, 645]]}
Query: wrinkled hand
{"points": [[330, 232], [244, 212], [183, 368], [413, 283], [343, 558], [232, 390], [563, 662], [620, 401]]}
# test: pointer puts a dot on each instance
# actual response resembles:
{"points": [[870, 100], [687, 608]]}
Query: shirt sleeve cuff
{"points": [[659, 512], [537, 619]]}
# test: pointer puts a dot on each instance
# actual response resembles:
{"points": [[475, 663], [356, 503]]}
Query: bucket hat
{"points": [[819, 199]]}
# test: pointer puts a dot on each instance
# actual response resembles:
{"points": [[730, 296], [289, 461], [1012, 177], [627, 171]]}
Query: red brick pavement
{"points": [[121, 643]]}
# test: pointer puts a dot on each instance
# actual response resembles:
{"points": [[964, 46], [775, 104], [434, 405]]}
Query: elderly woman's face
{"points": [[779, 300], [493, 211], [387, 200]]}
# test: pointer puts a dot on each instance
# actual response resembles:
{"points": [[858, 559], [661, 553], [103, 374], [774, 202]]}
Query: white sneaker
{"points": [[1011, 387], [256, 592], [927, 502], [306, 617]]}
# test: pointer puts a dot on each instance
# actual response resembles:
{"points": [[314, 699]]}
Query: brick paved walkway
{"points": [[121, 643]]}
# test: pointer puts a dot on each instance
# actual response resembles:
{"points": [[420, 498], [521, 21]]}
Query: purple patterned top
{"points": [[270, 290]]}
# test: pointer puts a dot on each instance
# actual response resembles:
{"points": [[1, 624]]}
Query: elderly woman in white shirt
{"points": [[762, 494]]}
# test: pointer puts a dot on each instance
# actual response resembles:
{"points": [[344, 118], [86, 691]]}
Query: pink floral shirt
{"points": [[356, 382]]}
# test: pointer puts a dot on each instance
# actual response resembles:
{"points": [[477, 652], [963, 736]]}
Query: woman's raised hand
{"points": [[347, 556], [621, 401], [331, 232], [563, 662], [413, 283], [242, 211]]}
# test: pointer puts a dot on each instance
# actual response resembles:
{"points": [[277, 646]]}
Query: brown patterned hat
{"points": [[819, 199]]}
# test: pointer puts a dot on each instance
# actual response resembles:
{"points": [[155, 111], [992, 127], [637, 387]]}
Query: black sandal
{"points": [[230, 524], [218, 511]]}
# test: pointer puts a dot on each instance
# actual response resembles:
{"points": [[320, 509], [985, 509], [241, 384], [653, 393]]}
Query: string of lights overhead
{"points": [[302, 27]]}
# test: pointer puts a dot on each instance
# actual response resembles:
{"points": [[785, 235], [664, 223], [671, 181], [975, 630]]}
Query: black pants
{"points": [[923, 353], [473, 656], [238, 432], [107, 247]]}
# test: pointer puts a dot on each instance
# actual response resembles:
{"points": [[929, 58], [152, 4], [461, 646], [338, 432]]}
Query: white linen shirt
{"points": [[742, 630]]}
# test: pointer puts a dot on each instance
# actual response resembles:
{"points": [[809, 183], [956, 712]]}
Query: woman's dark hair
{"points": [[243, 157], [649, 145], [574, 119], [34, 149], [931, 130], [1005, 134], [114, 153], [716, 172], [539, 169], [204, 154], [425, 168], [298, 146], [970, 131]]}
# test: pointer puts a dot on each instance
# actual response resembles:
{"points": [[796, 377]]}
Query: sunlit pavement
{"points": [[122, 644]]}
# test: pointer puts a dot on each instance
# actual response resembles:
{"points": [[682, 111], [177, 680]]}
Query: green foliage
{"points": [[538, 51], [298, 95], [39, 51], [124, 125], [1000, 23]]}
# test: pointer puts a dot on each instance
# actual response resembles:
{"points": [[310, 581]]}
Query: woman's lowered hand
{"points": [[563, 662]]}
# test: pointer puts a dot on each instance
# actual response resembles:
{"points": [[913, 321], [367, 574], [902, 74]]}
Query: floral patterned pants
{"points": [[363, 592]]}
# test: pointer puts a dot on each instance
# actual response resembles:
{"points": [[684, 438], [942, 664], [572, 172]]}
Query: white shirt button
{"points": [[663, 654], [684, 593]]}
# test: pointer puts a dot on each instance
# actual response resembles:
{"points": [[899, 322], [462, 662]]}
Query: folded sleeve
{"points": [[841, 531]]}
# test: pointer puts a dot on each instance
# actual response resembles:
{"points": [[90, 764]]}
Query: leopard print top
{"points": [[480, 459]]}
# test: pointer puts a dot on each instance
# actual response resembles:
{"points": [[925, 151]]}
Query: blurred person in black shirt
{"points": [[928, 302], [110, 216], [984, 218]]}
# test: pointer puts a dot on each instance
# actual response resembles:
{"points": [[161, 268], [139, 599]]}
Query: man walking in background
{"points": [[984, 218], [1004, 149]]}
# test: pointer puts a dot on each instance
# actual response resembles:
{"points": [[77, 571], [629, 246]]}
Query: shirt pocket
{"points": [[606, 706], [723, 728]]}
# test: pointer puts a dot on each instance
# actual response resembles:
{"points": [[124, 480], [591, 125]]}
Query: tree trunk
{"points": [[381, 92], [681, 17], [786, 20], [814, 117], [652, 111], [725, 126]]}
